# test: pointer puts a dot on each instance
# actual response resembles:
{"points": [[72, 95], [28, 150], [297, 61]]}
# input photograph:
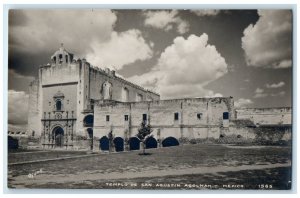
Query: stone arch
{"points": [[88, 121], [119, 144], [151, 142], [58, 134], [104, 143], [170, 141], [134, 143]]}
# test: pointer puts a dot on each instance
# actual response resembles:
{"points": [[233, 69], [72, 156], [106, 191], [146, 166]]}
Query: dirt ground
{"points": [[183, 167]]}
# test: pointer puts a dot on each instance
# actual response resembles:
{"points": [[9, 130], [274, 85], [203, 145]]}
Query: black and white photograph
{"points": [[150, 99]]}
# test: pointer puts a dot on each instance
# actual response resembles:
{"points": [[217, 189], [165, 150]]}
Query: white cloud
{"points": [[87, 33], [77, 29], [259, 90], [268, 43], [259, 93], [242, 102], [166, 20], [282, 93], [17, 107], [274, 85], [206, 12], [184, 68], [122, 48]]}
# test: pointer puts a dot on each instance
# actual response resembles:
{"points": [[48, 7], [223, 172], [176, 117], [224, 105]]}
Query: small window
{"points": [[144, 117], [58, 105], [199, 116], [176, 116], [225, 116], [126, 117], [49, 103], [107, 118]]}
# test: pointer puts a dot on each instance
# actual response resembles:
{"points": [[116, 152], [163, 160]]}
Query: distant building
{"points": [[73, 105]]}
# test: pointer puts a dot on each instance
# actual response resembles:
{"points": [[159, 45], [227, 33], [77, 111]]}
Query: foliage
{"points": [[144, 132]]}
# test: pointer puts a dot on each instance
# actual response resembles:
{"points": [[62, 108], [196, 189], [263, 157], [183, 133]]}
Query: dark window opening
{"points": [[199, 115], [107, 118], [58, 105], [144, 117], [225, 116], [66, 58], [60, 58], [176, 116], [126, 117]]}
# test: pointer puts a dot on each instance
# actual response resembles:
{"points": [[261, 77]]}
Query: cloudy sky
{"points": [[246, 54]]}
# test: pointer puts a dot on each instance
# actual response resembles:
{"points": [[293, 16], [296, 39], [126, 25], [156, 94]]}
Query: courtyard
{"points": [[198, 166]]}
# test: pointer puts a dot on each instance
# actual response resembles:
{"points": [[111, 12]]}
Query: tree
{"points": [[111, 140], [143, 133]]}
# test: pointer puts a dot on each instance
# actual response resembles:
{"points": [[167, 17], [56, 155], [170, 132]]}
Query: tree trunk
{"points": [[144, 147]]}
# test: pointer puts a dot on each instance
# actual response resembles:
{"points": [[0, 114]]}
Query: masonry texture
{"points": [[73, 105]]}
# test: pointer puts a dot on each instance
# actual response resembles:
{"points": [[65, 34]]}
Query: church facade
{"points": [[73, 105]]}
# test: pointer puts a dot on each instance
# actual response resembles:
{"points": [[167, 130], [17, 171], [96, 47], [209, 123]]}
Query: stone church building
{"points": [[73, 105]]}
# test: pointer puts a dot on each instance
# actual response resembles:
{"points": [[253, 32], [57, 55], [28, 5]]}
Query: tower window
{"points": [[107, 118], [199, 116], [60, 58], [176, 116], [126, 117], [58, 105]]}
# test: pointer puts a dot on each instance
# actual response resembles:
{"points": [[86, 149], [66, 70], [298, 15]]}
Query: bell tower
{"points": [[61, 57]]}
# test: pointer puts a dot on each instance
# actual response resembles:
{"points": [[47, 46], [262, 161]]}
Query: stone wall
{"points": [[266, 116], [98, 77], [161, 117], [34, 124]]}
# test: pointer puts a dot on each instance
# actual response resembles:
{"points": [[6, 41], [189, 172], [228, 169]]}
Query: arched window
{"points": [[58, 105], [107, 90], [60, 58], [125, 94]]}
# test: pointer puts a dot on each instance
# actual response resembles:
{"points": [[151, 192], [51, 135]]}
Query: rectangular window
{"points": [[126, 117], [176, 116], [144, 117], [225, 116], [107, 118], [199, 116]]}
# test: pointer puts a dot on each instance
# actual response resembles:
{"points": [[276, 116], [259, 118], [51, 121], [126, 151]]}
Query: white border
{"points": [[217, 4]]}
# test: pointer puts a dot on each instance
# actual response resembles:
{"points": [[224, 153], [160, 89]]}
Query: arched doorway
{"points": [[88, 121], [58, 133], [170, 141], [151, 142], [134, 143], [119, 144], [104, 143], [90, 137]]}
